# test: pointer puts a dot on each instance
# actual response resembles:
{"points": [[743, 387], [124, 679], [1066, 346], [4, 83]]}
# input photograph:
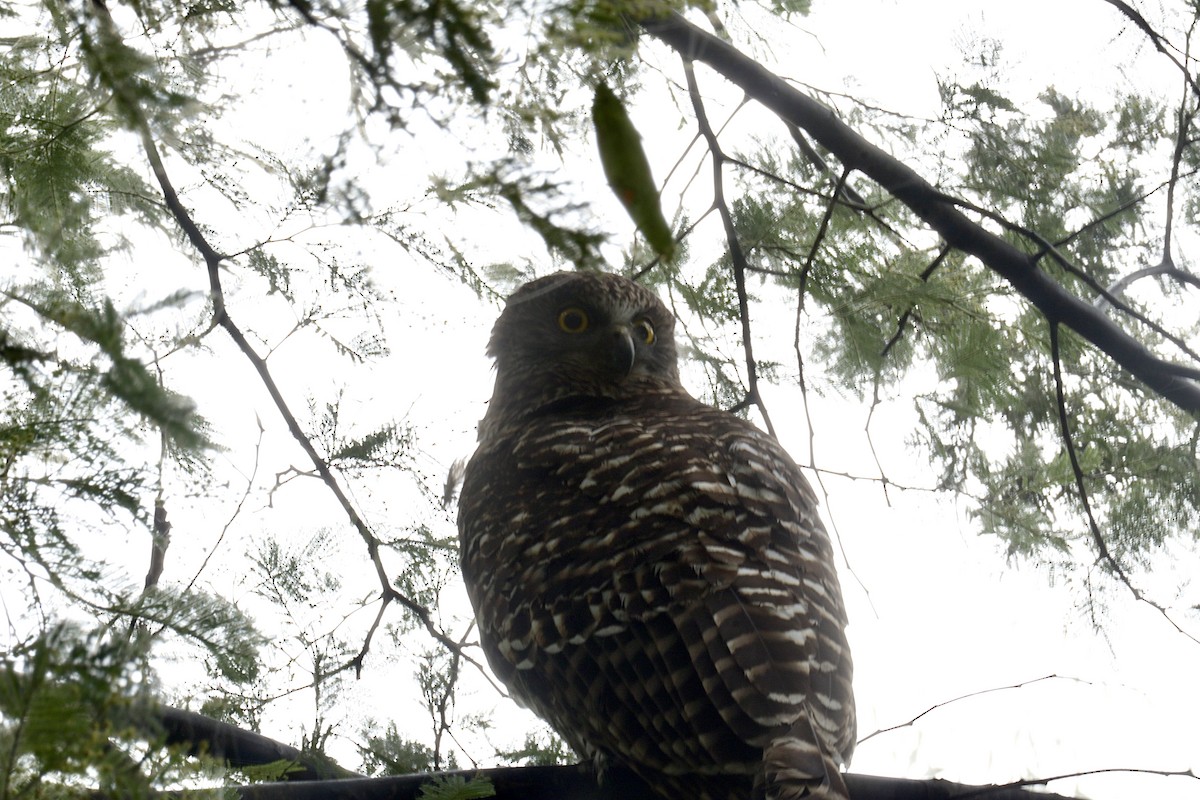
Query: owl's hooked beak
{"points": [[622, 352]]}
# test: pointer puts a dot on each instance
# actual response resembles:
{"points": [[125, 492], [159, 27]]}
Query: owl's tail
{"points": [[796, 766]]}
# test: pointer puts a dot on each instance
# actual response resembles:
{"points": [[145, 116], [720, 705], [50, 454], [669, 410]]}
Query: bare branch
{"points": [[988, 791], [1159, 41], [1118, 287], [737, 255], [966, 696]]}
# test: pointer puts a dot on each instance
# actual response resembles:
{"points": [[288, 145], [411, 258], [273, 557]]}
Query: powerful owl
{"points": [[649, 573]]}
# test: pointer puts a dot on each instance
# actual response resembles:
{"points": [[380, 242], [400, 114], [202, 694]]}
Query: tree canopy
{"points": [[255, 250]]}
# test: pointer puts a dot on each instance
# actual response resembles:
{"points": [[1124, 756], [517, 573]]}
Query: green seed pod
{"points": [[628, 170]]}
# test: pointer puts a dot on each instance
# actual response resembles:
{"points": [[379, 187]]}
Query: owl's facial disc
{"points": [[615, 346]]}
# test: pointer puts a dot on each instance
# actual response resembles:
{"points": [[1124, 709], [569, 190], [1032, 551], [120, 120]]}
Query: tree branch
{"points": [[737, 256], [1159, 41], [945, 703], [855, 152], [985, 792], [1103, 554], [201, 735], [577, 782]]}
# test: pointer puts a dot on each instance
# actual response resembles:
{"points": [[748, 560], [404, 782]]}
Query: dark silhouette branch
{"points": [[1167, 268], [1158, 40], [313, 777], [577, 782], [985, 792], [959, 231], [201, 735]]}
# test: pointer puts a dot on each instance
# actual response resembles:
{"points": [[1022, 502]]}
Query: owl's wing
{"points": [[780, 650]]}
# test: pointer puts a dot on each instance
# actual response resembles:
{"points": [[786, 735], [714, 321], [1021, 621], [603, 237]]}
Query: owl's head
{"points": [[581, 334]]}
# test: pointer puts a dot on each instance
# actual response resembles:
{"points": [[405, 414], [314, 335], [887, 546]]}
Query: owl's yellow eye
{"points": [[573, 320], [644, 330]]}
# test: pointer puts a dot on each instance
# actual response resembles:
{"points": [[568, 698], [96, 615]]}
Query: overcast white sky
{"points": [[936, 611]]}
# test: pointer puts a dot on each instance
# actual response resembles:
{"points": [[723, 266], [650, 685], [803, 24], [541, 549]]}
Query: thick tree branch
{"points": [[317, 778], [201, 735], [855, 152], [577, 783]]}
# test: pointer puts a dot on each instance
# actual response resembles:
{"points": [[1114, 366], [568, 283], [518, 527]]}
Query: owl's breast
{"points": [[576, 523]]}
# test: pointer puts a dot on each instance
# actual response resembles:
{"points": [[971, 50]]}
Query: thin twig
{"points": [[801, 292], [902, 322], [966, 696], [984, 791]]}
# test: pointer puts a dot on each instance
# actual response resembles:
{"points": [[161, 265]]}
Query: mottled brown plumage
{"points": [[649, 573]]}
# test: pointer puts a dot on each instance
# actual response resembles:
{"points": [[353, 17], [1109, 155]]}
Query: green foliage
{"points": [[293, 576], [389, 753], [387, 447], [876, 307], [68, 701], [455, 787], [58, 179], [537, 202], [455, 32], [452, 38], [63, 423], [428, 553], [540, 750], [123, 378], [1056, 172]]}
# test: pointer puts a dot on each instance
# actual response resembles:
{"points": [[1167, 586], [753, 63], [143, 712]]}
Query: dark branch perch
{"points": [[201, 735], [312, 777], [577, 783], [1175, 382]]}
